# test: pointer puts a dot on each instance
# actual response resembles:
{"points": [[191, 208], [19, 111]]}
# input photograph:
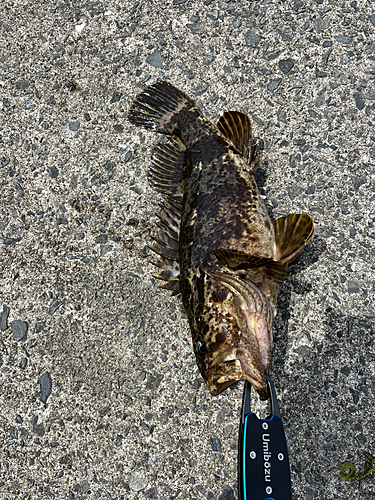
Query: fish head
{"points": [[232, 332]]}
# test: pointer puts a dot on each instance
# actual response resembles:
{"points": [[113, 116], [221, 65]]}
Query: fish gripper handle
{"points": [[263, 462]]}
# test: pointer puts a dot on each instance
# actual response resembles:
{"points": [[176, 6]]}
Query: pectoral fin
{"points": [[235, 260], [236, 127], [292, 233]]}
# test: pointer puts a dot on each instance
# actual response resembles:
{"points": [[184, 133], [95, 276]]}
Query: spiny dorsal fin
{"points": [[173, 285], [167, 164], [236, 127], [170, 272], [292, 233], [164, 239], [164, 251], [171, 213], [166, 244], [237, 261]]}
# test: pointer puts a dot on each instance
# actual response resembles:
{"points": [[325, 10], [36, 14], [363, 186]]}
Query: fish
{"points": [[216, 243]]}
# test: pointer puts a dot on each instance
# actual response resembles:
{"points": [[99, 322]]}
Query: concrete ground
{"points": [[100, 394]]}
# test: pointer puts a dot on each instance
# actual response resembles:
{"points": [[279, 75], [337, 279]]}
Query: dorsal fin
{"points": [[236, 260], [292, 233], [166, 169], [173, 285], [166, 244], [236, 127]]}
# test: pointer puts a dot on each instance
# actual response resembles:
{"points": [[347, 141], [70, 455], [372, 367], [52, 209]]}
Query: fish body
{"points": [[217, 244]]}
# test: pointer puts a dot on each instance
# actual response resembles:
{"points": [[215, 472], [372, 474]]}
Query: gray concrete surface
{"points": [[100, 395]]}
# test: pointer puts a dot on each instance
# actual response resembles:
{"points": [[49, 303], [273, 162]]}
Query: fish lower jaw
{"points": [[229, 369], [218, 385], [216, 390]]}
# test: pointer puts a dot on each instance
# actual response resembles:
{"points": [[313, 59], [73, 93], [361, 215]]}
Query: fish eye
{"points": [[200, 346]]}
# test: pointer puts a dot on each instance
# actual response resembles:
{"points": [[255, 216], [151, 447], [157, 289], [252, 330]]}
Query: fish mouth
{"points": [[231, 366]]}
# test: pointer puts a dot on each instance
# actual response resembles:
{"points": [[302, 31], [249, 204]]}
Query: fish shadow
{"points": [[311, 253], [313, 250], [261, 176]]}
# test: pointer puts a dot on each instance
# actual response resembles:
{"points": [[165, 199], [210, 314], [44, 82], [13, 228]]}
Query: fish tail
{"points": [[157, 107]]}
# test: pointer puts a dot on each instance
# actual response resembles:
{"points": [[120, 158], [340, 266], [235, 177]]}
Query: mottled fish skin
{"points": [[230, 311], [222, 209]]}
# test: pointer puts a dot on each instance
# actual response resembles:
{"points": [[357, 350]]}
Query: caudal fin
{"points": [[156, 107]]}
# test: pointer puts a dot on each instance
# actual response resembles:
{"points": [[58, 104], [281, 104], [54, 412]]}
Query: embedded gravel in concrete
{"points": [[100, 394]]}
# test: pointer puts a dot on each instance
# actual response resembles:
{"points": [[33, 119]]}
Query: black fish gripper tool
{"points": [[263, 462]]}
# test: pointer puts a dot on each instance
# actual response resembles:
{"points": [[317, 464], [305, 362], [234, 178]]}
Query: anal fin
{"points": [[166, 169], [292, 233], [238, 261]]}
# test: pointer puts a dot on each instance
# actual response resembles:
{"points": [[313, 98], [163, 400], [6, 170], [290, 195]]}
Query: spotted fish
{"points": [[217, 244]]}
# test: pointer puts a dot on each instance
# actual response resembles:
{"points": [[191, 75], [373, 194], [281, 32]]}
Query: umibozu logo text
{"points": [[266, 457]]}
